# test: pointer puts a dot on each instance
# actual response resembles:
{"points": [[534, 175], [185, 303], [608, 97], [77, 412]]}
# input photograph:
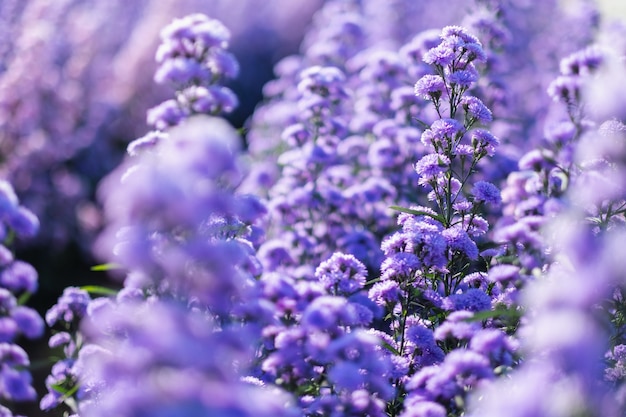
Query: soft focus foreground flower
{"points": [[159, 358]]}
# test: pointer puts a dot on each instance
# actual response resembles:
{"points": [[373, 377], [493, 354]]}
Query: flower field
{"points": [[339, 208]]}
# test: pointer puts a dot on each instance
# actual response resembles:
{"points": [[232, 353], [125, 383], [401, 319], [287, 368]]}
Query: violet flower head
{"points": [[476, 109], [193, 52], [134, 370], [431, 166], [70, 308], [430, 87], [464, 78], [484, 141], [484, 191], [474, 299], [342, 274], [457, 239]]}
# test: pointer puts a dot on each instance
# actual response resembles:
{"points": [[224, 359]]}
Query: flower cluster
{"points": [[412, 223], [18, 280], [193, 58]]}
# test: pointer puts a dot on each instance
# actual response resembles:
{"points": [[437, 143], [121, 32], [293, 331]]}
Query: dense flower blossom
{"points": [[18, 279], [360, 260]]}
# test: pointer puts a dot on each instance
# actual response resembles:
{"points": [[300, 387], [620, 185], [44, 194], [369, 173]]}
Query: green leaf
{"points": [[98, 290], [59, 388], [437, 217], [24, 298], [106, 267], [391, 348]]}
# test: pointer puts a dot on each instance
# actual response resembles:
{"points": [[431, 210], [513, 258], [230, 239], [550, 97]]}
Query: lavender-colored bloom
{"points": [[8, 329], [495, 345], [458, 325], [275, 253], [8, 199], [430, 87], [342, 272], [484, 141], [385, 292], [441, 55], [446, 128], [182, 72], [476, 109], [503, 273], [175, 377], [583, 62], [167, 114], [6, 256], [16, 385], [29, 322], [565, 88], [70, 308], [214, 99], [422, 337], [329, 312], [457, 35], [429, 167], [473, 299], [296, 134], [617, 357], [24, 222], [463, 78], [323, 81], [19, 276], [457, 239], [484, 191], [423, 409], [400, 266], [59, 339]]}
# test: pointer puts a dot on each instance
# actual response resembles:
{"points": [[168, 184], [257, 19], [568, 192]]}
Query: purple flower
{"points": [[476, 109], [429, 167], [565, 88], [463, 78], [457, 239], [384, 153], [24, 222], [342, 272], [458, 325], [167, 114], [496, 345], [182, 72], [29, 322], [484, 141], [400, 266], [430, 87], [16, 385], [385, 292], [473, 299], [484, 191], [8, 199], [19, 276], [584, 61], [296, 134], [441, 55], [448, 128], [214, 99], [70, 308], [323, 81], [423, 409], [328, 313], [503, 273]]}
